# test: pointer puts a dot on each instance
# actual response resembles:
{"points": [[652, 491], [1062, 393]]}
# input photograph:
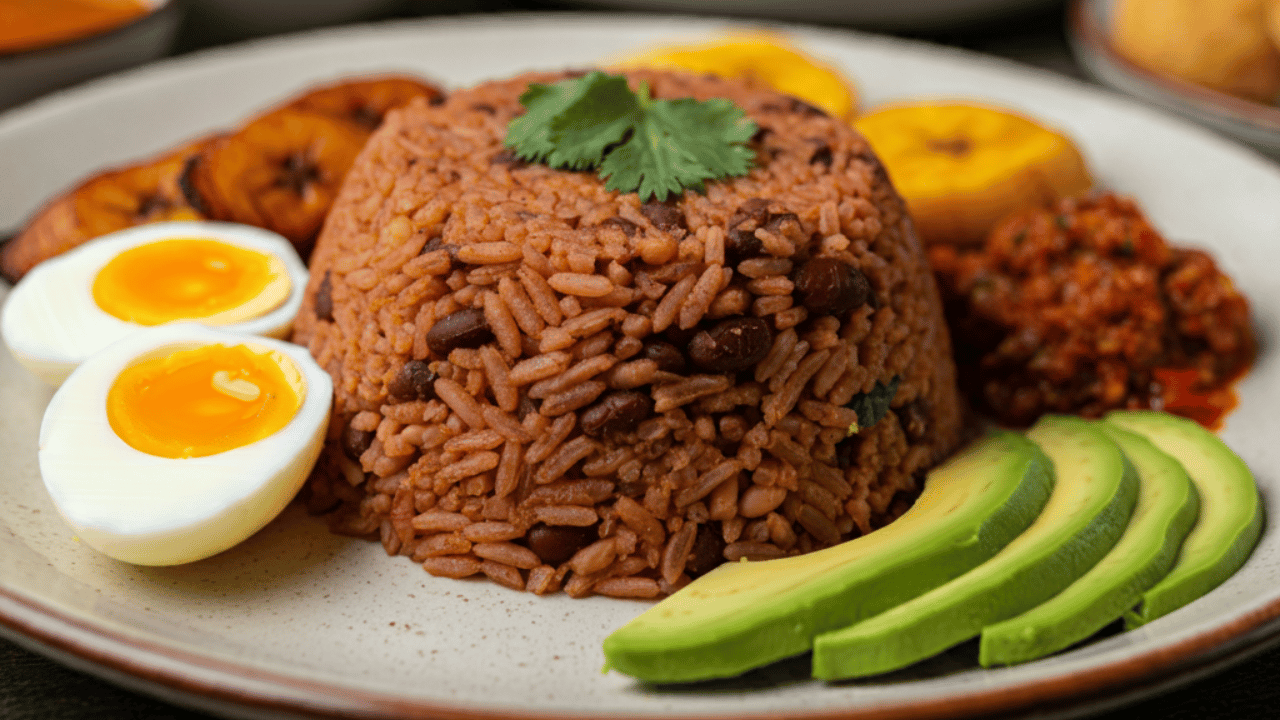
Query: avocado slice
{"points": [[1092, 500], [1166, 510], [1230, 519], [747, 614]]}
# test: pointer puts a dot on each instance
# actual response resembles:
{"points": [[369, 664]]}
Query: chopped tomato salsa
{"points": [[1083, 308]]}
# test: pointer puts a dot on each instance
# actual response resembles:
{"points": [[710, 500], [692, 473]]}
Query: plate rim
{"points": [[62, 632], [194, 678]]}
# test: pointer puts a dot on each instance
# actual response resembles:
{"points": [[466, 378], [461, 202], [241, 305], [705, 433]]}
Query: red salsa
{"points": [[1083, 308]]}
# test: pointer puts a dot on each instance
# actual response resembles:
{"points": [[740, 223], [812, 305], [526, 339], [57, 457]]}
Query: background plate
{"points": [[300, 621], [1251, 122]]}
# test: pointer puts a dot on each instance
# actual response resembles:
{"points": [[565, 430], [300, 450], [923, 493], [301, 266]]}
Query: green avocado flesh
{"points": [[1230, 519], [1094, 495], [748, 614], [1166, 510]]}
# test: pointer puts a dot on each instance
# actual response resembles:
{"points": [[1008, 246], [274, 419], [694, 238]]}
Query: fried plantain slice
{"points": [[113, 200], [280, 172], [366, 100]]}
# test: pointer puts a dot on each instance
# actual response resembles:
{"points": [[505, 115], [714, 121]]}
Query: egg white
{"points": [[150, 510], [51, 322]]}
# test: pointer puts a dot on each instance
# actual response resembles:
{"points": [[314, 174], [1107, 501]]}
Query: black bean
{"points": [[437, 99], [664, 216], [507, 156], [731, 345], [681, 337], [324, 299], [555, 544], [822, 156], [707, 552], [755, 210], [627, 227], [778, 220], [437, 243], [617, 412], [415, 381], [741, 245], [484, 108], [668, 358], [805, 108], [828, 286], [355, 442], [740, 241], [465, 328]]}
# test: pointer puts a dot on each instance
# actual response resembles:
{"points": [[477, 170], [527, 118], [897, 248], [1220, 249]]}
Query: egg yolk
{"points": [[203, 401], [190, 279]]}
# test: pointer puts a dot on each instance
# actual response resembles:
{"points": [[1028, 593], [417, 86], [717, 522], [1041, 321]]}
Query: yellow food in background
{"points": [[1219, 44], [1271, 18], [31, 24], [768, 57], [962, 167]]}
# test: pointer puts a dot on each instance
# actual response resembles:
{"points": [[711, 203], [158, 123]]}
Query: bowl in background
{"points": [[1253, 123], [26, 74]]}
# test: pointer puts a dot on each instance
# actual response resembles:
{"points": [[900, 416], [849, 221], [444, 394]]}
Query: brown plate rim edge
{"points": [[49, 628], [190, 674]]}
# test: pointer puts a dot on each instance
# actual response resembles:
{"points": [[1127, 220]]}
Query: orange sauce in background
{"points": [[30, 24]]}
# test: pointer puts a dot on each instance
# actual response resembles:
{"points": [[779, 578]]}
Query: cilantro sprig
{"points": [[652, 147]]}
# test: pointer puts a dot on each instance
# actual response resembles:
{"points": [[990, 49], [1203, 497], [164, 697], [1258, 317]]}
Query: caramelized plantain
{"points": [[280, 172], [113, 200], [365, 101]]}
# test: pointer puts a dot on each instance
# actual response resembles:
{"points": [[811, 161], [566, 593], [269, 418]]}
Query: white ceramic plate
{"points": [[298, 621]]}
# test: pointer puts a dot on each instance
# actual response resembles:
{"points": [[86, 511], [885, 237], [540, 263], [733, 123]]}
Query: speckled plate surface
{"points": [[298, 622]]}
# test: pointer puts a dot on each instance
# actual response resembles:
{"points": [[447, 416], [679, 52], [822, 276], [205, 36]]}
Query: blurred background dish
{"points": [[89, 39], [902, 15], [1113, 60], [222, 20]]}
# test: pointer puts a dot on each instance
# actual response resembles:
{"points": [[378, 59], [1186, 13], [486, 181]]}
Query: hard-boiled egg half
{"points": [[243, 278], [180, 441]]}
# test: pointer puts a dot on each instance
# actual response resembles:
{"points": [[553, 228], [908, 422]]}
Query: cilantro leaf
{"points": [[653, 147], [872, 406], [584, 131], [530, 134]]}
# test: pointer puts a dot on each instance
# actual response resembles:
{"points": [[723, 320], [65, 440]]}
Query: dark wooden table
{"points": [[33, 687]]}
